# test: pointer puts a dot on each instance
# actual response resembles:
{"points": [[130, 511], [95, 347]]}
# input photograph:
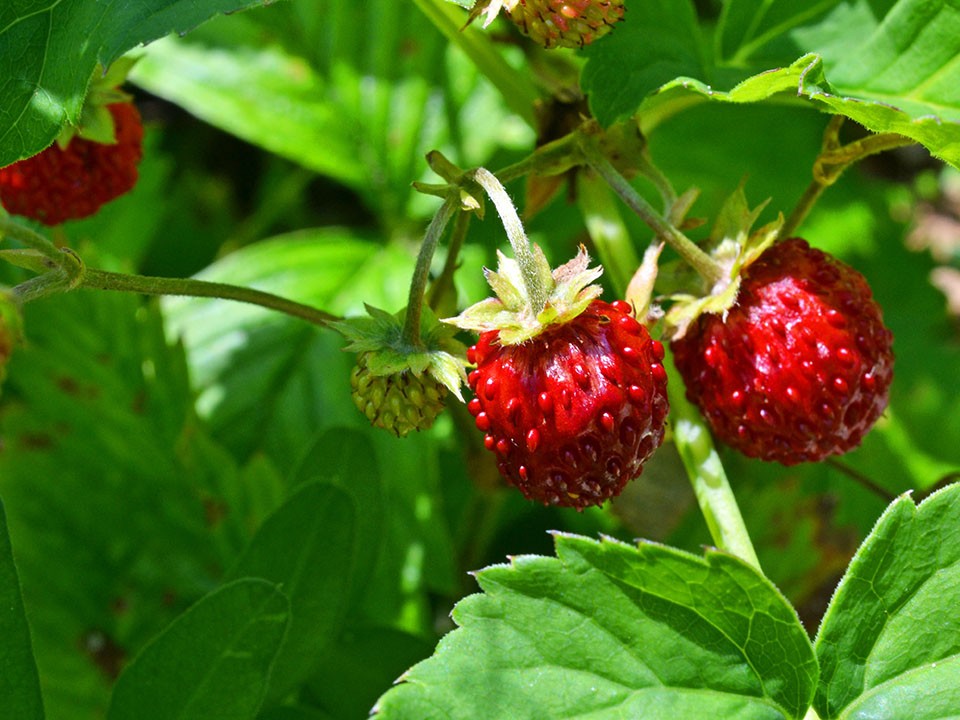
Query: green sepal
{"points": [[735, 248], [96, 122], [568, 288], [439, 354]]}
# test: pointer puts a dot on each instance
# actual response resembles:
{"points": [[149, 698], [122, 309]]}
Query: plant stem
{"points": [[834, 158], [31, 239], [710, 484], [147, 285], [421, 273], [707, 268], [536, 292]]}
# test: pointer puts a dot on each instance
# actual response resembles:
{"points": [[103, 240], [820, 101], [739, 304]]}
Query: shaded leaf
{"points": [[609, 630], [212, 661], [309, 548], [889, 645], [19, 682], [346, 459]]}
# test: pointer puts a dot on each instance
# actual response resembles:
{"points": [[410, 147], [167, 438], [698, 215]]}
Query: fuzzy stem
{"points": [[421, 273], [834, 158], [536, 292], [31, 239], [147, 285], [705, 266], [710, 484]]}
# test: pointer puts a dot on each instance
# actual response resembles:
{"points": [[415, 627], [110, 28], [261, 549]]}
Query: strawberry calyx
{"points": [[734, 246], [515, 314], [96, 122], [380, 334]]}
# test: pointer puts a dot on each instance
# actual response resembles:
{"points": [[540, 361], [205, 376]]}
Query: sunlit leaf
{"points": [[608, 630]]}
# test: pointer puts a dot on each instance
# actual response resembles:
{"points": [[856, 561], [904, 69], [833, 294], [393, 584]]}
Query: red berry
{"points": [[573, 413], [73, 182], [800, 368]]}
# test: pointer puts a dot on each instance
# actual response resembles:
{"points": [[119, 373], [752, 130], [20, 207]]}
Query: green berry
{"points": [[399, 402]]}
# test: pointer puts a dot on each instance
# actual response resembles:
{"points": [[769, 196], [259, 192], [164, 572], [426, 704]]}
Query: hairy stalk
{"points": [[33, 240], [421, 273], [834, 158], [710, 484], [147, 285], [536, 292], [705, 266]]}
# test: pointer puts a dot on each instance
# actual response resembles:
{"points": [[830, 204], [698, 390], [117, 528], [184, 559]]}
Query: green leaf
{"points": [[346, 460], [19, 683], [48, 52], [119, 506], [309, 548], [889, 645], [263, 95], [212, 661], [890, 66], [658, 42], [609, 630]]}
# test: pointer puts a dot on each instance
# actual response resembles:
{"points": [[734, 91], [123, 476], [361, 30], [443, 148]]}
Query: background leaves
{"points": [[145, 448], [890, 65]]}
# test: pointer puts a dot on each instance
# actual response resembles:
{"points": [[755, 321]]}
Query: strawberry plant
{"points": [[479, 359]]}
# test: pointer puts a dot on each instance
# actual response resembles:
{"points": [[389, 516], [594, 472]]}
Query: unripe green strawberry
{"points": [[398, 384], [399, 402], [564, 23]]}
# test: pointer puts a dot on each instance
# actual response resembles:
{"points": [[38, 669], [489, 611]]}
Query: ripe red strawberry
{"points": [[572, 399], [72, 182], [564, 23], [800, 368], [574, 413]]}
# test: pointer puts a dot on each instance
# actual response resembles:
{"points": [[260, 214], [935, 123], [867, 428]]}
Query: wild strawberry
{"points": [[556, 23], [399, 402], [75, 180], [571, 399], [397, 384], [799, 367]]}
